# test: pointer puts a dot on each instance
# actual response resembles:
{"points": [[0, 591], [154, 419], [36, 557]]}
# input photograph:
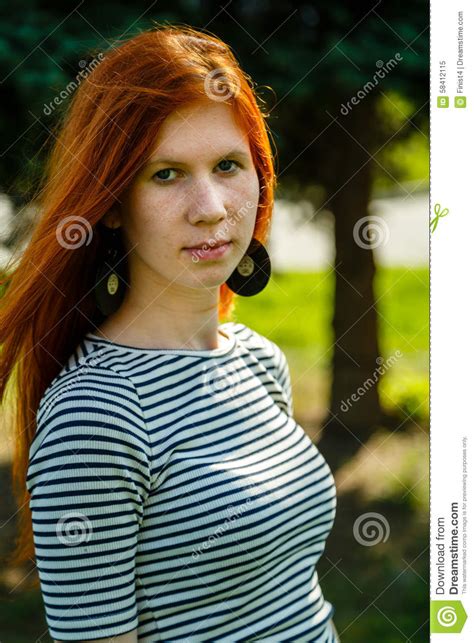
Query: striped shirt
{"points": [[173, 492]]}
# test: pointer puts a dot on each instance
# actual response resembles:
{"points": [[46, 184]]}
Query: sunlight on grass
{"points": [[392, 466]]}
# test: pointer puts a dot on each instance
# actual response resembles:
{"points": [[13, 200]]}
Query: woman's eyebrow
{"points": [[236, 153]]}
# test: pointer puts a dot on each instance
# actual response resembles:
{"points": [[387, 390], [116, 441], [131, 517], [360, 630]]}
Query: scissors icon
{"points": [[438, 214]]}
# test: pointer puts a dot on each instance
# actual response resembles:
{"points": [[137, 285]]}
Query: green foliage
{"points": [[406, 390], [406, 158], [317, 55]]}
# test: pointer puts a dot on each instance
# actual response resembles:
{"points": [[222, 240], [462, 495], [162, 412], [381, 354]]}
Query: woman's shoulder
{"points": [[84, 383], [256, 341], [271, 356], [85, 400], [249, 335]]}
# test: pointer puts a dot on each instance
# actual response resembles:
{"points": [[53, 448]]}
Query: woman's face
{"points": [[199, 185]]}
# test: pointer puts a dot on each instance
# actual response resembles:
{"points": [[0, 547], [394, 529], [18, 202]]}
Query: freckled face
{"points": [[199, 184]]}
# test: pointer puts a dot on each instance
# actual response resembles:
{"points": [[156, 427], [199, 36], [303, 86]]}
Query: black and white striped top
{"points": [[172, 491]]}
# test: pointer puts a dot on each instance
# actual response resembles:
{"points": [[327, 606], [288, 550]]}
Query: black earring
{"points": [[253, 272], [111, 276]]}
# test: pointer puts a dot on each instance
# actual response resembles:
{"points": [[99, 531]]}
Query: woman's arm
{"points": [[128, 637], [88, 479]]}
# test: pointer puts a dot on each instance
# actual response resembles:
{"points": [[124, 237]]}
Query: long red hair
{"points": [[106, 134]]}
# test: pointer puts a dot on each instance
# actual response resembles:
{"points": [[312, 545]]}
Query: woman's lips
{"points": [[200, 254]]}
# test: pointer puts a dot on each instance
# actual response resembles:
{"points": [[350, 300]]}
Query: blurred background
{"points": [[346, 87]]}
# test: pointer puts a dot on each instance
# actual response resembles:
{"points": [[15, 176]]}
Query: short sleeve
{"points": [[88, 478]]}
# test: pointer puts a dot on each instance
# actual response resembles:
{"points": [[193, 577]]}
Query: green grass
{"points": [[288, 300], [295, 310], [403, 304]]}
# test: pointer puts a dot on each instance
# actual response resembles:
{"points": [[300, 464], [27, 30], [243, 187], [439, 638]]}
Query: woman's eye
{"points": [[226, 166], [164, 172], [225, 162]]}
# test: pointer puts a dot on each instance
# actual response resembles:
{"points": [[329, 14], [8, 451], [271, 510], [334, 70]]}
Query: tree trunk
{"points": [[355, 406]]}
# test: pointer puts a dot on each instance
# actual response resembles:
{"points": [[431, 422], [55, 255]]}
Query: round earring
{"points": [[253, 272], [110, 280]]}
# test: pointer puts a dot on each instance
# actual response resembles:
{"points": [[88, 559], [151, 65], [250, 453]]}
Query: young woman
{"points": [[170, 494]]}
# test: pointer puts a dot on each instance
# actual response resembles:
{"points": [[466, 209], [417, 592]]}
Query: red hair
{"points": [[107, 133]]}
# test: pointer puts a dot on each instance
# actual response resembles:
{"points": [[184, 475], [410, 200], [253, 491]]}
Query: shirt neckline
{"points": [[213, 352]]}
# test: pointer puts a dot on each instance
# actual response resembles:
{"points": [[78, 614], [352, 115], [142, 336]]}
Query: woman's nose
{"points": [[206, 203]]}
